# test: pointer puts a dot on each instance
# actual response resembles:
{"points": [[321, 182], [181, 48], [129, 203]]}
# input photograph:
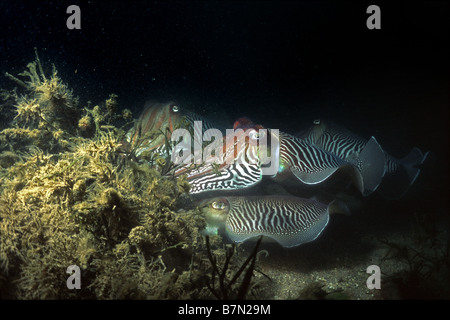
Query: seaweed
{"points": [[69, 196], [45, 108], [424, 262], [230, 288], [79, 208]]}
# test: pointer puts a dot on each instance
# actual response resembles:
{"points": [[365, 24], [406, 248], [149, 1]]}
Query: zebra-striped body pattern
{"points": [[289, 220], [305, 156], [365, 155], [335, 140], [235, 176], [240, 166]]}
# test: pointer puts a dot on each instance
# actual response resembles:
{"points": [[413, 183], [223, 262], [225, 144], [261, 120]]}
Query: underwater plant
{"points": [[423, 261], [45, 108], [229, 286], [80, 208], [69, 196]]}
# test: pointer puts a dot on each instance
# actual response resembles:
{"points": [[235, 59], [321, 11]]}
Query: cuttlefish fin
{"points": [[404, 173], [313, 177], [347, 170], [372, 164], [411, 162], [414, 158]]}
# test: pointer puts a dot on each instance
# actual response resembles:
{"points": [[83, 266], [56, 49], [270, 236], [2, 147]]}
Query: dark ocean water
{"points": [[282, 64]]}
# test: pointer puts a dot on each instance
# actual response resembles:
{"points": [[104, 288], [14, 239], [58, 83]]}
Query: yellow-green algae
{"points": [[69, 196]]}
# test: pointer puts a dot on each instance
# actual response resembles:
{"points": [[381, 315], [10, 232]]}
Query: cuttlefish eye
{"points": [[175, 108], [218, 205]]}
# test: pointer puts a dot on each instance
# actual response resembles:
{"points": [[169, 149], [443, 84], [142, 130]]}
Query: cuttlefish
{"points": [[243, 164], [322, 152], [378, 169], [235, 164], [290, 221], [153, 129]]}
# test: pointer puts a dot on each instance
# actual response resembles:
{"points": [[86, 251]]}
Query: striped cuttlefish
{"points": [[288, 220], [297, 160], [320, 153], [380, 171], [241, 159], [310, 159], [153, 129]]}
